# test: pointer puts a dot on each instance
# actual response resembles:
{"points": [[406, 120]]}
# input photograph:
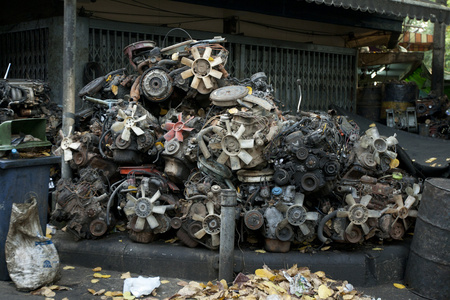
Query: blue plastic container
{"points": [[20, 180]]}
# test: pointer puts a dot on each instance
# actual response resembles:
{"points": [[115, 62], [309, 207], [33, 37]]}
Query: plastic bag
{"points": [[31, 258], [141, 286]]}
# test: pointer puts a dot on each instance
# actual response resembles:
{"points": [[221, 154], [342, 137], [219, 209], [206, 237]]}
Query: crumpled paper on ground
{"points": [[141, 286]]}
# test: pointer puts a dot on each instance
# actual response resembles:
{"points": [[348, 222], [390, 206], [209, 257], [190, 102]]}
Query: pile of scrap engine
{"points": [[155, 149]]}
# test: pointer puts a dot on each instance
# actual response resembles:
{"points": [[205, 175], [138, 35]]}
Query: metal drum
{"points": [[428, 267], [398, 96], [368, 103]]}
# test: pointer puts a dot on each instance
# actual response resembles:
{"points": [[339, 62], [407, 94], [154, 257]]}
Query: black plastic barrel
{"points": [[368, 102], [428, 267], [398, 96]]}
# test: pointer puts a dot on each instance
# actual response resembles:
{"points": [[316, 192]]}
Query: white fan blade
{"points": [[125, 134], [210, 207], [137, 130], [142, 191], [75, 146], [299, 198], [223, 157], [240, 131], [365, 200], [409, 201], [376, 157], [342, 214], [215, 240], [216, 74], [349, 199], [199, 234], [245, 156], [365, 228], [67, 155], [195, 54], [117, 126], [398, 200], [133, 111], [121, 114], [142, 118], [374, 213], [152, 221], [186, 61], [235, 164], [197, 217], [61, 134], [159, 209], [304, 229], [416, 188], [207, 53], [349, 228], [155, 196], [195, 82], [208, 83], [247, 144], [140, 223], [217, 61], [187, 74], [128, 210], [131, 198], [312, 216]]}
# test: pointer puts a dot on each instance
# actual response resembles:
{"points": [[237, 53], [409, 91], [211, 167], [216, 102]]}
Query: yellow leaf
{"points": [[128, 296], [433, 165], [348, 297], [377, 249], [125, 275], [260, 251], [68, 268], [91, 291], [99, 293], [171, 241], [99, 275], [224, 283], [116, 293], [95, 280], [399, 286], [325, 248], [320, 274], [394, 163], [324, 292], [264, 273], [49, 293], [54, 287], [98, 269], [65, 298], [430, 160], [108, 294], [165, 281], [114, 89]]}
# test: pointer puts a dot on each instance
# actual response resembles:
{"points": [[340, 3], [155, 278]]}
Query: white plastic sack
{"points": [[31, 258], [141, 286]]}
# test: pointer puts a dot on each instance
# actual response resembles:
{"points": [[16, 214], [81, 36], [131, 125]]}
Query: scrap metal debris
{"points": [[294, 283]]}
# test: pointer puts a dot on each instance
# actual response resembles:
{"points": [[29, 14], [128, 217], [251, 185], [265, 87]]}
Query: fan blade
{"points": [[195, 54], [376, 157], [208, 83], [67, 155], [128, 210], [58, 151], [185, 128], [349, 199], [169, 126], [398, 200], [210, 208], [131, 198], [126, 134], [179, 136], [75, 146], [413, 213], [186, 61], [170, 135], [409, 191], [133, 111], [121, 114], [235, 164], [240, 131], [304, 229], [207, 53], [245, 156], [199, 234], [138, 131], [342, 214], [142, 191], [299, 198], [365, 228], [409, 201], [152, 221], [215, 146], [180, 117], [197, 217], [195, 82], [187, 74], [141, 118], [247, 144], [70, 130], [416, 189], [217, 61], [117, 126], [155, 196], [374, 213], [223, 157], [216, 74], [140, 223], [349, 228], [312, 216], [365, 200], [61, 134], [159, 209], [215, 240]]}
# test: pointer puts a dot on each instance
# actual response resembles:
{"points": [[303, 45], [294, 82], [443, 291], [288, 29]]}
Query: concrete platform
{"points": [[361, 265]]}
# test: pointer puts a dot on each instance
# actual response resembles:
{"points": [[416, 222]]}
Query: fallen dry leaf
{"points": [[164, 281], [91, 291], [108, 294], [98, 269], [377, 249], [264, 273], [95, 280], [324, 292], [54, 287], [49, 293], [399, 286], [125, 275], [260, 251], [68, 268], [100, 292], [325, 248], [430, 160], [182, 283], [171, 241], [116, 293], [99, 275], [128, 296], [320, 274], [65, 298], [348, 297]]}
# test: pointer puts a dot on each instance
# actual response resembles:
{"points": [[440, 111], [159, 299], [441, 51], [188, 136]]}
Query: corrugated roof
{"points": [[417, 9]]}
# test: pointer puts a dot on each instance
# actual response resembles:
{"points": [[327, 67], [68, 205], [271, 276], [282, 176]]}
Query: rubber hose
{"points": [[164, 62], [320, 235], [108, 206], [100, 142]]}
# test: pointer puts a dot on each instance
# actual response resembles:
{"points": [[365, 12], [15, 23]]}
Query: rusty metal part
{"points": [[133, 49], [353, 236], [156, 85], [98, 227], [273, 245], [397, 231], [186, 239], [135, 95], [176, 223], [253, 219]]}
